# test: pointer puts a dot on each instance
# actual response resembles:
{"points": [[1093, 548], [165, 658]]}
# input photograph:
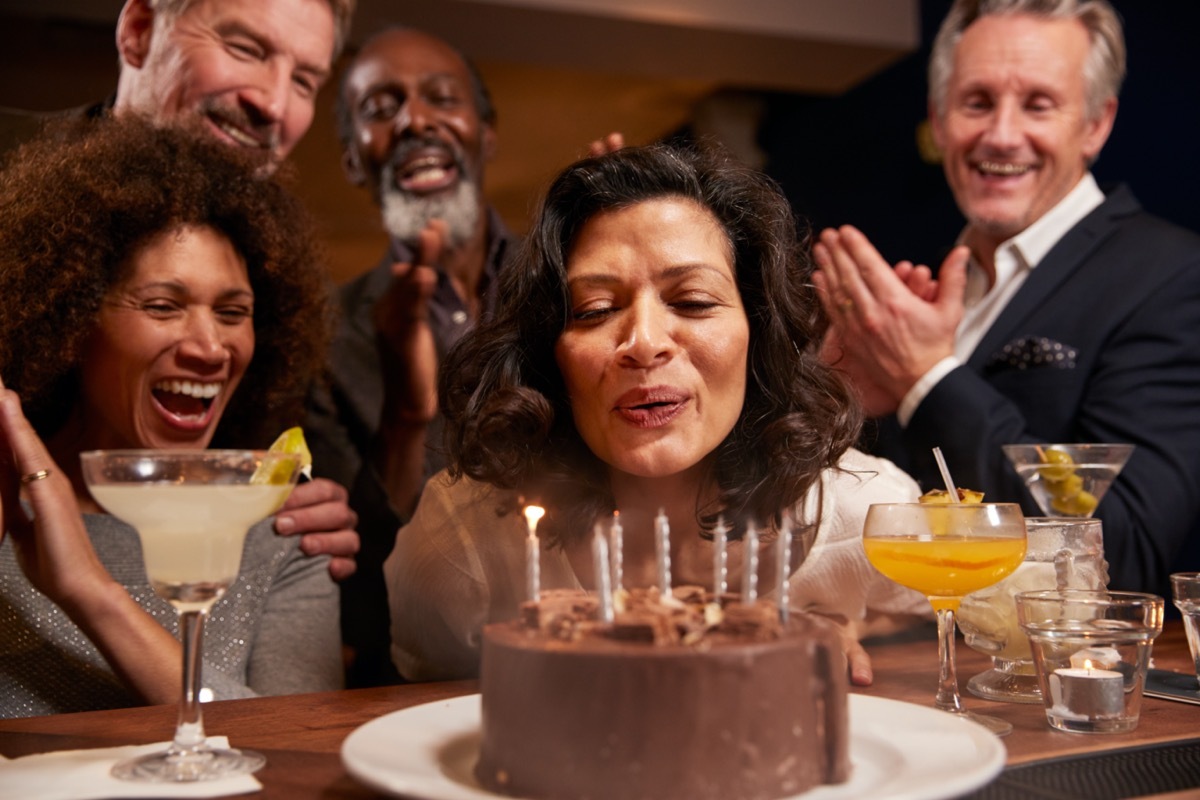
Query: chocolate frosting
{"points": [[680, 699]]}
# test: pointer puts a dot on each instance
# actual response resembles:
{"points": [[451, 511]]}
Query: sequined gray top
{"points": [[274, 632]]}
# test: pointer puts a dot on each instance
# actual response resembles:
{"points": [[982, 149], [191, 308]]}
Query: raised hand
{"points": [[608, 144], [56, 555], [52, 545], [406, 341], [890, 325], [408, 353]]}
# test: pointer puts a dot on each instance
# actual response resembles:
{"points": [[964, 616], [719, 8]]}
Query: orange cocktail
{"points": [[948, 567]]}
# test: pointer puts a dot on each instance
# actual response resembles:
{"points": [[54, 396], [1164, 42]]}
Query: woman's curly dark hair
{"points": [[508, 416], [78, 202]]}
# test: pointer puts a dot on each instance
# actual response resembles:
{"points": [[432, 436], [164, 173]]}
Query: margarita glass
{"points": [[192, 510], [947, 551]]}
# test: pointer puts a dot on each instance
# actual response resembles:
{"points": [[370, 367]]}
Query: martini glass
{"points": [[1068, 480], [947, 551], [191, 509]]}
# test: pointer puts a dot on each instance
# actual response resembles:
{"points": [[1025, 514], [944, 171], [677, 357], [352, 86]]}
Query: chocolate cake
{"points": [[678, 700]]}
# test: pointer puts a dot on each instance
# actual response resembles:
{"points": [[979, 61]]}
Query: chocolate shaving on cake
{"points": [[690, 616]]}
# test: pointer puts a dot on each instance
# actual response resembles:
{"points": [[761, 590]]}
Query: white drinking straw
{"points": [[941, 462]]}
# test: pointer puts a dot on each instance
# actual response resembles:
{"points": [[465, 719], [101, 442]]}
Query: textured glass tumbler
{"points": [[1061, 553]]}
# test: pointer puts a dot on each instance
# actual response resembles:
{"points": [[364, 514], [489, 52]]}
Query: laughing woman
{"points": [[154, 293]]}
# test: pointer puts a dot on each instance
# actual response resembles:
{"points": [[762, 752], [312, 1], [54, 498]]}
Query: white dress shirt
{"points": [[1014, 259]]}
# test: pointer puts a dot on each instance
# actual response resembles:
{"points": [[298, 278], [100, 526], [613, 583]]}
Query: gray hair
{"points": [[343, 12], [1103, 71]]}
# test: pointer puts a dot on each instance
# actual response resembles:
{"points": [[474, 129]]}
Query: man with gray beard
{"points": [[417, 127]]}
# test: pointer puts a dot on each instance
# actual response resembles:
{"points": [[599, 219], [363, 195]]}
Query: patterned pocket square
{"points": [[1032, 352]]}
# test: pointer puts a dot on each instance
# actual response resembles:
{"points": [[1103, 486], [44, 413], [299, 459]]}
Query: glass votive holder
{"points": [[1091, 650], [1185, 589]]}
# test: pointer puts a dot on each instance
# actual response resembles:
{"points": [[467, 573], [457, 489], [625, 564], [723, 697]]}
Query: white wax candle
{"points": [[617, 551], [750, 565], [533, 555], [603, 580], [720, 559], [783, 554], [662, 552], [1087, 694]]}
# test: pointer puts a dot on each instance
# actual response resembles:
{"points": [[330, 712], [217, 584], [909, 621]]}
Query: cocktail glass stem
{"points": [[189, 730], [948, 698]]}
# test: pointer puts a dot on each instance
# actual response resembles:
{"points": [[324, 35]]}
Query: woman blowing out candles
{"points": [[655, 349], [154, 293]]}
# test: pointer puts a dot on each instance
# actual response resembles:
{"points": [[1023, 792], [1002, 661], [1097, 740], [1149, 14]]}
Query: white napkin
{"points": [[84, 775]]}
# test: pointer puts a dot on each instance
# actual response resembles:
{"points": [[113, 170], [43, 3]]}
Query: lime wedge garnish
{"points": [[280, 471]]}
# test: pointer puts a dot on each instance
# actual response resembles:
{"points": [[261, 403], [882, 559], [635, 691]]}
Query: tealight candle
{"points": [[533, 555], [750, 565], [1096, 658], [783, 554], [603, 578], [662, 552], [617, 551], [1087, 694], [720, 559]]}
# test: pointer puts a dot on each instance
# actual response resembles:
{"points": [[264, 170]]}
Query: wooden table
{"points": [[301, 734]]}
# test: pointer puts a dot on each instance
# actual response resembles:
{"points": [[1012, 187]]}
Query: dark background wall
{"points": [[855, 159]]}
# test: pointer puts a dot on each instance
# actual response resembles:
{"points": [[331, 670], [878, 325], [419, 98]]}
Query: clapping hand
{"points": [[888, 326]]}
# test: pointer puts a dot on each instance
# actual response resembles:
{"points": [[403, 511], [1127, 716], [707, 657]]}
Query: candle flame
{"points": [[1087, 664], [532, 515]]}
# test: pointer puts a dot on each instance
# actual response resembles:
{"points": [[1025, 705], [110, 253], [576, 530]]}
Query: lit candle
{"points": [[750, 565], [662, 552], [720, 559], [1096, 658], [1080, 693], [603, 579], [533, 555], [783, 555], [617, 536]]}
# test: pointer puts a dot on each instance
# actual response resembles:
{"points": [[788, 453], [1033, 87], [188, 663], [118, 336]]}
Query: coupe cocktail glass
{"points": [[191, 509], [946, 552], [1068, 480], [1060, 553]]}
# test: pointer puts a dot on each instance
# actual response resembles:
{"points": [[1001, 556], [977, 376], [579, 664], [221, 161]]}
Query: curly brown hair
{"points": [[79, 201], [508, 416]]}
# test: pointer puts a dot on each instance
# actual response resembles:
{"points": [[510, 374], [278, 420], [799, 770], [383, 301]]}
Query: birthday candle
{"points": [[750, 565], [603, 582], [783, 565], [662, 552], [533, 556], [617, 535], [720, 559]]}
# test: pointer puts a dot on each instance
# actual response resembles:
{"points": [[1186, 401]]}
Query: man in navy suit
{"points": [[1063, 315]]}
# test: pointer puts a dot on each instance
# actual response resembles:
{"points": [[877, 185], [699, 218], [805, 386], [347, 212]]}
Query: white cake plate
{"points": [[899, 751]]}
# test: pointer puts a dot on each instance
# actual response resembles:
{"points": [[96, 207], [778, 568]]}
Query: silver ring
{"points": [[41, 474]]}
